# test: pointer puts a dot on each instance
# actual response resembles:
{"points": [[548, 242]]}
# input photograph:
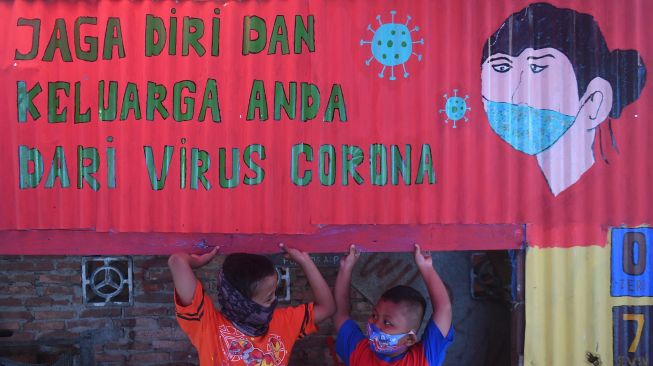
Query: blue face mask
{"points": [[384, 343], [527, 129]]}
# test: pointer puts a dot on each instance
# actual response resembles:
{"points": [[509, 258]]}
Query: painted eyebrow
{"points": [[500, 58], [539, 57]]}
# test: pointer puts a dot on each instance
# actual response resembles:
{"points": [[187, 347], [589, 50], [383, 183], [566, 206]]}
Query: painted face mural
{"points": [[531, 123], [548, 80]]}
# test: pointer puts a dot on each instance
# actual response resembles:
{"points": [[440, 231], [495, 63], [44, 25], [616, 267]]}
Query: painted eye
{"points": [[502, 68], [537, 68]]}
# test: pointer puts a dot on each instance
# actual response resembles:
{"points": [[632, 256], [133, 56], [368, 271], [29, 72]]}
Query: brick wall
{"points": [[41, 300]]}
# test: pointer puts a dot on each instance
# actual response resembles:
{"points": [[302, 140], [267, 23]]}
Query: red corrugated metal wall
{"points": [[334, 166]]}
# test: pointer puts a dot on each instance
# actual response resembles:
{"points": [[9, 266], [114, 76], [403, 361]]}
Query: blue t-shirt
{"points": [[354, 349]]}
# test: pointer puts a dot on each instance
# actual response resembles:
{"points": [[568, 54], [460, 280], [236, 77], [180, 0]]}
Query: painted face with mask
{"points": [[531, 100], [532, 103], [527, 129]]}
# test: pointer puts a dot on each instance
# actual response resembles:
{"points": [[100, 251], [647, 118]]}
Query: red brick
{"points": [[167, 322], [153, 262], [150, 357], [68, 265], [149, 334], [184, 356], [59, 334], [15, 315], [101, 313], [124, 323], [117, 342], [17, 277], [63, 301], [40, 315], [38, 301], [57, 325], [179, 363], [159, 275], [58, 290], [110, 357], [177, 333], [61, 279], [22, 336], [148, 311], [156, 287], [20, 290], [86, 324], [139, 346], [146, 323], [17, 266], [160, 298], [10, 325], [6, 302], [179, 345], [47, 265]]}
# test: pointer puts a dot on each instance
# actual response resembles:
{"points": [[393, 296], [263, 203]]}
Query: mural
{"points": [[549, 80], [244, 122]]}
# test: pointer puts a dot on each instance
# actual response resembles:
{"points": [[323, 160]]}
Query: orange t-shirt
{"points": [[218, 342]]}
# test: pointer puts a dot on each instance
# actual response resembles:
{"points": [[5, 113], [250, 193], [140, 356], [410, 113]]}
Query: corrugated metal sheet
{"points": [[573, 317], [263, 169], [162, 169]]}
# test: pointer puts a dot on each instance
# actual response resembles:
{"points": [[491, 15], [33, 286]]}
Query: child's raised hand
{"points": [[295, 254], [422, 260], [350, 259], [196, 261]]}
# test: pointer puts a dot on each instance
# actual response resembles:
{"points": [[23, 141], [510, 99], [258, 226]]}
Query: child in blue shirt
{"points": [[392, 328]]}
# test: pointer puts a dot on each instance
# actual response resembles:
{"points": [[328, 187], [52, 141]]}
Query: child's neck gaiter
{"points": [[246, 315]]}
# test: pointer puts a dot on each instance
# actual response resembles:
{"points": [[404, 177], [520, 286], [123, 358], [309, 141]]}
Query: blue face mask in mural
{"points": [[384, 343], [529, 130]]}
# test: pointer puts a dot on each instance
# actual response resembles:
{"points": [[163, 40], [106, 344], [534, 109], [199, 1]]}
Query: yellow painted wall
{"points": [[569, 307]]}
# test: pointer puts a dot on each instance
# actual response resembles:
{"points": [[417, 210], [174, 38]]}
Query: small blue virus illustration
{"points": [[392, 45], [455, 107]]}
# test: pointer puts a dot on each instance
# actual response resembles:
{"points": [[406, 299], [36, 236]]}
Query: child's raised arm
{"points": [[438, 293], [323, 306], [181, 266], [341, 290]]}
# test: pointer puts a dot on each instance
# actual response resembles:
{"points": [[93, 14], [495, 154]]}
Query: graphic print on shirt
{"points": [[239, 347]]}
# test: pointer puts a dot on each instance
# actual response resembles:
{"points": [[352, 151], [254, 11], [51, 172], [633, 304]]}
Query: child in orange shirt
{"points": [[248, 329]]}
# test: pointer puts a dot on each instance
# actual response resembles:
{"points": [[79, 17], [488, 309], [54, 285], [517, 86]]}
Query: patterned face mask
{"points": [[529, 130], [384, 343], [246, 315]]}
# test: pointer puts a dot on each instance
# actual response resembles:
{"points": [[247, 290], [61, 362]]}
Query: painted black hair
{"points": [[405, 294], [577, 35], [244, 271]]}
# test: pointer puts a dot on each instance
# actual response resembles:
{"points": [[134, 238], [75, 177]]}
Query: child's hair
{"points": [[409, 296], [244, 271]]}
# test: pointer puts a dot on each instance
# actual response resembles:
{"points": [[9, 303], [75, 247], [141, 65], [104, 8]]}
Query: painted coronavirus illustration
{"points": [[548, 80], [392, 44], [455, 107]]}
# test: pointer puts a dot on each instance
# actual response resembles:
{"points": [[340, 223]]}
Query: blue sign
{"points": [[632, 262]]}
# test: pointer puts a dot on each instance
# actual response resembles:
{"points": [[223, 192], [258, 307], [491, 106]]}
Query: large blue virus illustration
{"points": [[392, 45], [455, 107]]}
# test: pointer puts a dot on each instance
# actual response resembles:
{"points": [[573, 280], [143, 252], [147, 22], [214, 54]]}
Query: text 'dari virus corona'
{"points": [[392, 45], [455, 107]]}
